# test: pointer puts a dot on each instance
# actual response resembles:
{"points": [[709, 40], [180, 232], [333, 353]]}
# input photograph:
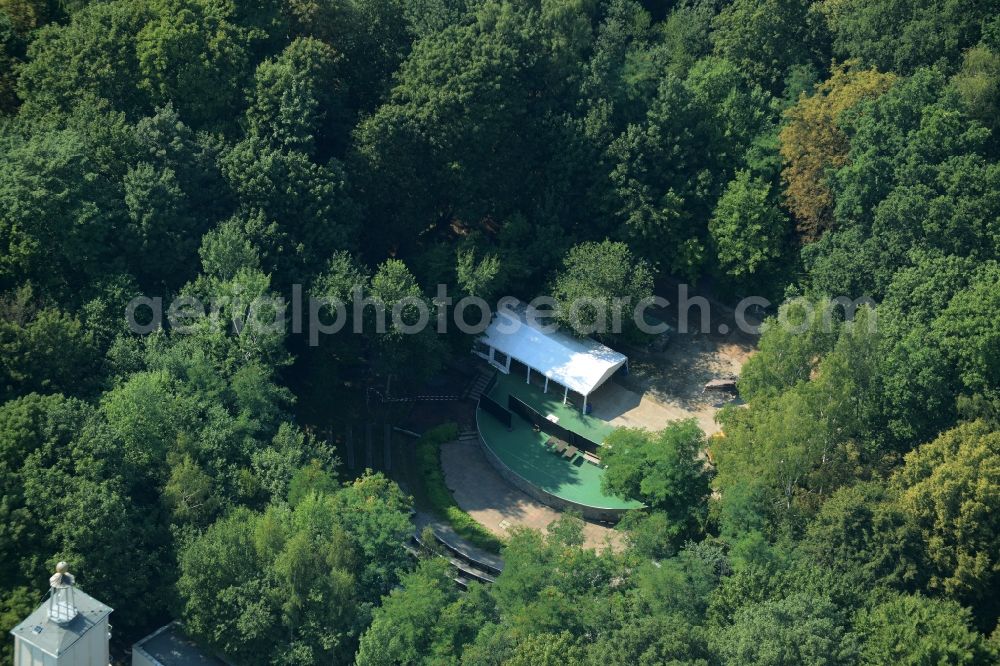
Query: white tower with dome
{"points": [[69, 628]]}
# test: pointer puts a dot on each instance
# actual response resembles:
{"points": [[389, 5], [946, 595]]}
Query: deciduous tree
{"points": [[813, 143], [599, 287], [948, 488]]}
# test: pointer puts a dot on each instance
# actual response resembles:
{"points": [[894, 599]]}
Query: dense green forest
{"points": [[791, 149]]}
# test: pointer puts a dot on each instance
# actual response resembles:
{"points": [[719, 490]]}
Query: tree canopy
{"points": [[177, 177]]}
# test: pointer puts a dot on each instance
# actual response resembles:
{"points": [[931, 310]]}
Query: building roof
{"points": [[169, 646], [54, 639], [581, 364]]}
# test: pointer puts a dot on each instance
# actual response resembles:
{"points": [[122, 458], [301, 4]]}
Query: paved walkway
{"points": [[444, 532], [496, 504]]}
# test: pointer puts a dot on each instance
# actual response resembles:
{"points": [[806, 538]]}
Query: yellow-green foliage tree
{"points": [[812, 143], [26, 15], [950, 488], [10, 46], [978, 84]]}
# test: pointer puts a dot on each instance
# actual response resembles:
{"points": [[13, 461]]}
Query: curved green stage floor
{"points": [[523, 450]]}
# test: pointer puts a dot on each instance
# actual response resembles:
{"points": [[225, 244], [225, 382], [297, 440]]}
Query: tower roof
{"points": [[38, 630]]}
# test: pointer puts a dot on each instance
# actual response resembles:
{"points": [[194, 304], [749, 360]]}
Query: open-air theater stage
{"points": [[530, 427]]}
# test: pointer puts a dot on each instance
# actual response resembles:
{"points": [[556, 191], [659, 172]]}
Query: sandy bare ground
{"points": [[669, 385]]}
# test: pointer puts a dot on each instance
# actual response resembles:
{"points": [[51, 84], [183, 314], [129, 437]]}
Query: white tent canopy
{"points": [[579, 364]]}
